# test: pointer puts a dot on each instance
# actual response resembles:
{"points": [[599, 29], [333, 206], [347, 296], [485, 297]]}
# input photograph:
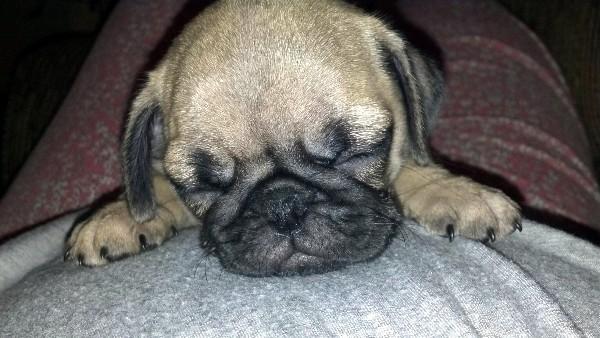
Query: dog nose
{"points": [[284, 208]]}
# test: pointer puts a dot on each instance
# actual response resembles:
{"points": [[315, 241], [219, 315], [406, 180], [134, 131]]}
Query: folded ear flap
{"points": [[421, 84], [143, 133]]}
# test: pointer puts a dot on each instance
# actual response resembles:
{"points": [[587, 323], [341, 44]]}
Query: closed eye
{"points": [[209, 173], [352, 157], [339, 151], [325, 161], [197, 186], [343, 158], [326, 149], [376, 151]]}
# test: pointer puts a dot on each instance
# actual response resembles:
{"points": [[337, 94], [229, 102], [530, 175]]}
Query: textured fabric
{"points": [[507, 112], [422, 286], [39, 246]]}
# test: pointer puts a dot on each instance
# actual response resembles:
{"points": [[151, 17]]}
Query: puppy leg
{"points": [[449, 205], [111, 233]]}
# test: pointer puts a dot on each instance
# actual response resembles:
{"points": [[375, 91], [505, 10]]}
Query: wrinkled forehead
{"points": [[244, 109]]}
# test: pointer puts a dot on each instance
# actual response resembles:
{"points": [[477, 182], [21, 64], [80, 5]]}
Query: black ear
{"points": [[421, 84], [142, 137]]}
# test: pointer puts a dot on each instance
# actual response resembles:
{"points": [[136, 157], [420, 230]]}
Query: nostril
{"points": [[300, 211], [284, 209], [285, 214], [282, 203], [286, 228]]}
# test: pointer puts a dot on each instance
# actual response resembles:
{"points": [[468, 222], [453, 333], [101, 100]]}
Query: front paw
{"points": [[455, 205], [111, 234]]}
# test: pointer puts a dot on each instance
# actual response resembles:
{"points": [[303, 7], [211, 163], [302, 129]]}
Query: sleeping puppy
{"points": [[293, 133]]}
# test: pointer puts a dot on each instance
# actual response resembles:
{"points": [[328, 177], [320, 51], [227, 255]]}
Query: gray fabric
{"points": [[538, 283], [17, 257]]}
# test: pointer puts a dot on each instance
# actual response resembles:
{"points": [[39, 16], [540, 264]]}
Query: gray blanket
{"points": [[537, 283]]}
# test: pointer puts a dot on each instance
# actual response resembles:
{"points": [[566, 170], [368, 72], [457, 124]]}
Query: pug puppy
{"points": [[293, 133]]}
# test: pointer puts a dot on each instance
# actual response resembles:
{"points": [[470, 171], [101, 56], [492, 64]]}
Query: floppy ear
{"points": [[420, 82], [142, 136]]}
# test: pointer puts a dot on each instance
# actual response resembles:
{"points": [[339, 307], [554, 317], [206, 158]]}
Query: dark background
{"points": [[43, 44]]}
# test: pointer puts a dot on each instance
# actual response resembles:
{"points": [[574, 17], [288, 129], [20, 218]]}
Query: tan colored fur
{"points": [[113, 228], [437, 198], [210, 87]]}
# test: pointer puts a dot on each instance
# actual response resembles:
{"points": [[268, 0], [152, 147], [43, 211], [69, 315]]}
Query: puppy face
{"points": [[280, 125]]}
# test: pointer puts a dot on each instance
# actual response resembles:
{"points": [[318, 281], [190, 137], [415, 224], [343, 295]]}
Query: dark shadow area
{"points": [[44, 43], [563, 223], [39, 83]]}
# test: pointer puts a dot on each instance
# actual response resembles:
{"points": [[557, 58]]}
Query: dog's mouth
{"points": [[287, 228]]}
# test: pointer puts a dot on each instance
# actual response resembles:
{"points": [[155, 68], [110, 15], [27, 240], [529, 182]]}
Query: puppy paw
{"points": [[453, 205], [111, 234]]}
